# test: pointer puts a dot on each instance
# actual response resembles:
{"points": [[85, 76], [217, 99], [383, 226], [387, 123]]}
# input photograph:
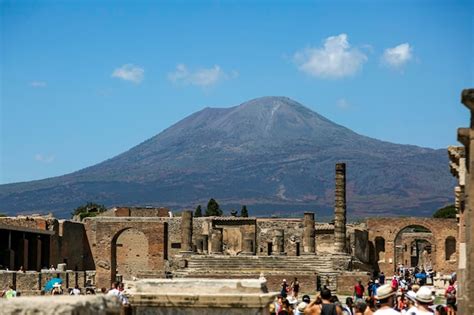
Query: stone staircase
{"points": [[215, 265]]}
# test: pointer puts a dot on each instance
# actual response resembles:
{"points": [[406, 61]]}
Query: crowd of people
{"points": [[117, 289], [398, 295]]}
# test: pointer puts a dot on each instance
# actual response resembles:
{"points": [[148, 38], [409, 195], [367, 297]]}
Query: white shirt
{"points": [[75, 291], [387, 311], [421, 312]]}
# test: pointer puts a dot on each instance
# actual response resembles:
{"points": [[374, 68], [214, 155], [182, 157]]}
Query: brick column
{"points": [[187, 231], [309, 243], [24, 252], [340, 209]]}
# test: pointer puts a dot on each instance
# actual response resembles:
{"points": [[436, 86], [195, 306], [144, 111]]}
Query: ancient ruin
{"points": [[460, 165]]}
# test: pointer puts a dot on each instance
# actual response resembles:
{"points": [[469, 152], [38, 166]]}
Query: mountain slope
{"points": [[271, 153]]}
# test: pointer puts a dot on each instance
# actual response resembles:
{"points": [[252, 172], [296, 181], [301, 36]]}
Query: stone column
{"points": [[187, 231], [466, 285], [10, 253], [205, 244], [24, 252], [340, 209], [216, 241], [279, 242], [309, 243], [38, 253]]}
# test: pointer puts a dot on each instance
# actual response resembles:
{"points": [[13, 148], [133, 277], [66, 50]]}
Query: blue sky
{"points": [[82, 81]]}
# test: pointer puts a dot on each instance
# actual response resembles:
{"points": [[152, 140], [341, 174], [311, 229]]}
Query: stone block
{"points": [[62, 305], [27, 281], [7, 278]]}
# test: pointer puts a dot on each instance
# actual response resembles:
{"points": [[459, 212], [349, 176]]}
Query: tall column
{"points": [[216, 241], [279, 242], [187, 231], [340, 209], [24, 252], [10, 252], [38, 253], [309, 243], [466, 285]]}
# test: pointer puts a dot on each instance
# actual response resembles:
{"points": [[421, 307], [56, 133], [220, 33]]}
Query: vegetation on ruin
{"points": [[448, 212], [198, 212], [90, 209], [244, 212], [213, 208]]}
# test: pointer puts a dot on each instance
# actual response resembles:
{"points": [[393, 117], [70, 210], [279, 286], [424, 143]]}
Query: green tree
{"points": [[448, 212], [90, 209], [213, 208], [198, 212], [234, 213], [244, 213]]}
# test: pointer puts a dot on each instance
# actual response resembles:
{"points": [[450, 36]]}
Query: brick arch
{"points": [[389, 229], [107, 231]]}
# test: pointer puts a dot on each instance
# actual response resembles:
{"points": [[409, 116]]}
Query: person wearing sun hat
{"points": [[386, 297], [424, 299]]}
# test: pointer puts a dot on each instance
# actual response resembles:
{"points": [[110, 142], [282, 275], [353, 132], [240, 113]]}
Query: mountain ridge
{"points": [[269, 150]]}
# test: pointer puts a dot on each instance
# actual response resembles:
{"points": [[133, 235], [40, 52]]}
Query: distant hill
{"points": [[271, 153]]}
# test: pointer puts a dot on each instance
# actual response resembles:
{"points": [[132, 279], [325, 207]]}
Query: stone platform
{"points": [[200, 296]]}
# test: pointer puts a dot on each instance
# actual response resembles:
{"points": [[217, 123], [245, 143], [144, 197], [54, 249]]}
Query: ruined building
{"points": [[127, 243], [460, 163]]}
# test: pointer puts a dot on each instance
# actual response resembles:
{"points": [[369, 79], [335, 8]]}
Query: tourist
{"points": [[57, 290], [386, 298], [52, 268], [75, 291], [325, 307], [359, 290], [410, 307], [424, 301], [451, 307], [10, 293], [359, 307], [375, 286], [117, 290], [348, 309], [450, 290], [440, 310], [382, 278], [295, 288], [300, 308], [286, 308], [21, 269], [284, 289], [277, 305], [370, 305]]}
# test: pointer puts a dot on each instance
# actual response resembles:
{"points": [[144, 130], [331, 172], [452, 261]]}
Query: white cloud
{"points": [[129, 72], [203, 77], [398, 56], [336, 59], [343, 104], [44, 158], [38, 84]]}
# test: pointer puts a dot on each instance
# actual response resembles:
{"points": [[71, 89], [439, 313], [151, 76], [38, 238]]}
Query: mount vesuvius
{"points": [[271, 153]]}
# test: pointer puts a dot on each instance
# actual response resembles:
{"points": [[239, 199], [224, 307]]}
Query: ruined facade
{"points": [[460, 164]]}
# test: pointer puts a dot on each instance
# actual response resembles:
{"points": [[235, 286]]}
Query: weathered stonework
{"points": [[62, 305], [460, 164], [340, 209]]}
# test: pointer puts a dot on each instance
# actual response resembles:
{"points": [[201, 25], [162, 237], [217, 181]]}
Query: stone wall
{"points": [[32, 282], [62, 305], [347, 280], [389, 228]]}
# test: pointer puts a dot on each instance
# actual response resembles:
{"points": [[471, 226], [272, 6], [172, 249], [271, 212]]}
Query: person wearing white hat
{"points": [[385, 296], [424, 299], [410, 297]]}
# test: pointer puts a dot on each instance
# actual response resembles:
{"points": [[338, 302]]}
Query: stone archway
{"points": [[414, 247], [129, 253], [390, 228], [105, 231]]}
